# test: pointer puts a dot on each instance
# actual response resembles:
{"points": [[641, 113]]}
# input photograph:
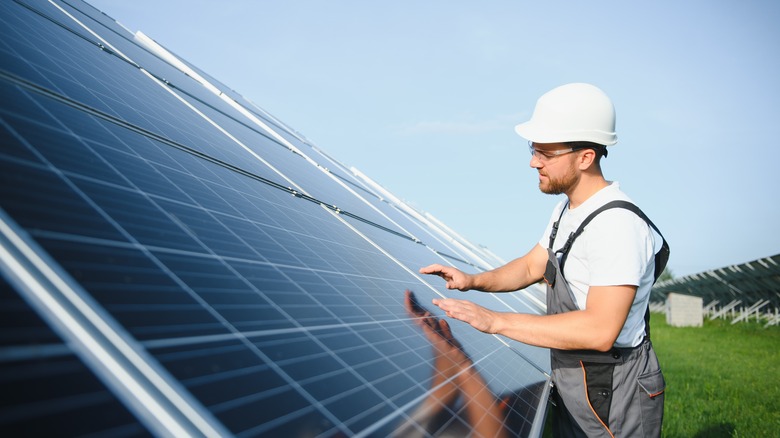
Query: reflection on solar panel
{"points": [[178, 262]]}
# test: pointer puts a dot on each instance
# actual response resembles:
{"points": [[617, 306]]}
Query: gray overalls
{"points": [[619, 393]]}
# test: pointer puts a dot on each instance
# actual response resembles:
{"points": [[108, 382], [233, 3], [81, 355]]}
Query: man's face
{"points": [[555, 163]]}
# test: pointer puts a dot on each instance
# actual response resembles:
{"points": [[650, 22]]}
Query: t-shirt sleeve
{"points": [[620, 247]]}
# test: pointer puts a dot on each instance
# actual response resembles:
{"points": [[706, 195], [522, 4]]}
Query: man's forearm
{"points": [[513, 276]]}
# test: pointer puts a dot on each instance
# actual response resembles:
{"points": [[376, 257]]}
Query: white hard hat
{"points": [[571, 112]]}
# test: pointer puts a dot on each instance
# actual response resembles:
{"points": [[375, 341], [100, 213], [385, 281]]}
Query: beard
{"points": [[560, 185]]}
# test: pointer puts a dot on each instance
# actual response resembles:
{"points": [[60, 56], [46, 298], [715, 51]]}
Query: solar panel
{"points": [[749, 283], [176, 262]]}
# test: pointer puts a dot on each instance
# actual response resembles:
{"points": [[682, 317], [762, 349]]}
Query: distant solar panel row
{"points": [[749, 283], [179, 263]]}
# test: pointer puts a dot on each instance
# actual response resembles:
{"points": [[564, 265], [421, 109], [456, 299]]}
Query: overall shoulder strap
{"points": [[554, 231], [661, 258]]}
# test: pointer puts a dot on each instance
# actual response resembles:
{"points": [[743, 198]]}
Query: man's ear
{"points": [[586, 159]]}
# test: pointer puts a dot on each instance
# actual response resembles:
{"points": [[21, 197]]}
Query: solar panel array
{"points": [[176, 261], [757, 281]]}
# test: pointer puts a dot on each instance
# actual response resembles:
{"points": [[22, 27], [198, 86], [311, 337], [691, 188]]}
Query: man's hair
{"points": [[600, 149]]}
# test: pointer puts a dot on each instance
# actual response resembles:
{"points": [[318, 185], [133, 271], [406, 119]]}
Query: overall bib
{"points": [[618, 393]]}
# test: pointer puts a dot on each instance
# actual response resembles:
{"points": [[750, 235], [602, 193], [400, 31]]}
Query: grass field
{"points": [[722, 380]]}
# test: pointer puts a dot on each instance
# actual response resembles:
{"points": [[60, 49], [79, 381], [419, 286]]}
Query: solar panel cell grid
{"points": [[264, 309], [42, 378]]}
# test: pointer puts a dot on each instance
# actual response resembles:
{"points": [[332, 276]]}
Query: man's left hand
{"points": [[477, 316]]}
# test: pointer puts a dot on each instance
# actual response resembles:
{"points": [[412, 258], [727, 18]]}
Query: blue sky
{"points": [[423, 96]]}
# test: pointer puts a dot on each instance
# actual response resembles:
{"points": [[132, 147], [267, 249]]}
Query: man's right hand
{"points": [[455, 278]]}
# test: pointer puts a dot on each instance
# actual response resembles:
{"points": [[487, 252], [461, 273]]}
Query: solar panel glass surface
{"points": [[219, 254]]}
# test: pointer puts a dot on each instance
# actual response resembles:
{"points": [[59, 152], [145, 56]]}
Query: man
{"points": [[606, 377]]}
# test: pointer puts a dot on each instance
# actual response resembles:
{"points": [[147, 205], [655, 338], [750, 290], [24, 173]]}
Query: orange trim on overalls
{"points": [[587, 398], [657, 393]]}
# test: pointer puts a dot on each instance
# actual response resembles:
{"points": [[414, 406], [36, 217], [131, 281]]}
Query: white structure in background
{"points": [[684, 310]]}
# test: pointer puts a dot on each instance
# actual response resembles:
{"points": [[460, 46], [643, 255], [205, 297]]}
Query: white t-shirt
{"points": [[616, 248]]}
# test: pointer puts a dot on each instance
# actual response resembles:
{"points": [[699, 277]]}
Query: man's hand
{"points": [[477, 316], [455, 278]]}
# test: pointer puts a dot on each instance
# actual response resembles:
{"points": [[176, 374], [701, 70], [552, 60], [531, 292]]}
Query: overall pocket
{"points": [[651, 387], [598, 383]]}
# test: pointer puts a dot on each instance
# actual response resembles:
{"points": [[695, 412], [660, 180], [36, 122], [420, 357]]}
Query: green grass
{"points": [[722, 380]]}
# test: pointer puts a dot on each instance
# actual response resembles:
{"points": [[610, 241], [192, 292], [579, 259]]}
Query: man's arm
{"points": [[515, 275], [594, 328]]}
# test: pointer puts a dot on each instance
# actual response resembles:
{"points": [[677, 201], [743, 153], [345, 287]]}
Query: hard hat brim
{"points": [[540, 134]]}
